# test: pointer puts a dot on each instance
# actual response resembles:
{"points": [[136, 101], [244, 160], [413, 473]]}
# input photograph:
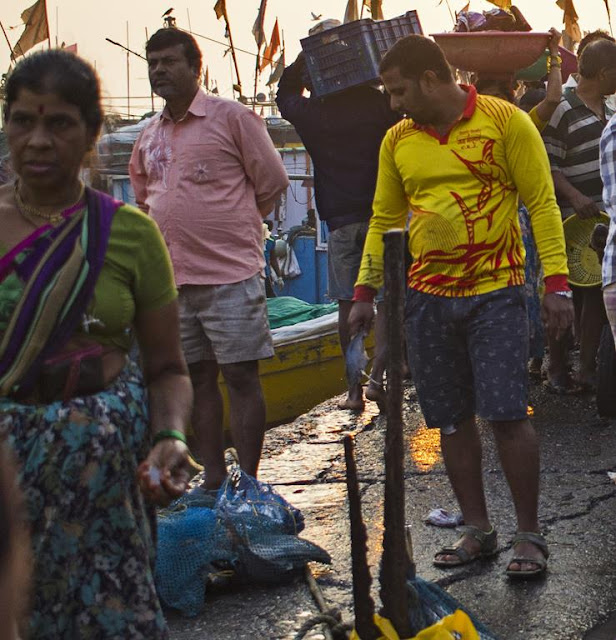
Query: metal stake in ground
{"points": [[362, 600], [394, 561]]}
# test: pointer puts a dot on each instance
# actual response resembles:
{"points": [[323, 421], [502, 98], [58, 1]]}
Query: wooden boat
{"points": [[307, 369]]}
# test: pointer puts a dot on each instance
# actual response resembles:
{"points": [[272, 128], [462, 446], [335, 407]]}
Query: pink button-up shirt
{"points": [[202, 180]]}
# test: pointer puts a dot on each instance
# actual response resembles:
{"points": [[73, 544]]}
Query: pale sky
{"points": [[89, 22]]}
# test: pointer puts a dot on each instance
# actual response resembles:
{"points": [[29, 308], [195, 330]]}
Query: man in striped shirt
{"points": [[572, 142]]}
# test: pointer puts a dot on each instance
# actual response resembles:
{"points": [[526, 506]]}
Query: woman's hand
{"points": [[164, 474]]}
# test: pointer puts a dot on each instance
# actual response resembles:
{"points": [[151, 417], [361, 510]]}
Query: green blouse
{"points": [[137, 274]]}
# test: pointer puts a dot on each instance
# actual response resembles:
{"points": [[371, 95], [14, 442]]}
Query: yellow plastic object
{"points": [[584, 265], [457, 626]]}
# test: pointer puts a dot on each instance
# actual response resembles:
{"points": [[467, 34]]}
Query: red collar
{"points": [[467, 114]]}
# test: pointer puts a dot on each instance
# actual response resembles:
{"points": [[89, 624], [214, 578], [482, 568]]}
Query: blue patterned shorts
{"points": [[468, 355]]}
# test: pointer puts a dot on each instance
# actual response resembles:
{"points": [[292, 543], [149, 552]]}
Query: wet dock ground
{"points": [[305, 461]]}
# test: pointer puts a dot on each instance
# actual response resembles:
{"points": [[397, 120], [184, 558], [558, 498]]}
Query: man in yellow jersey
{"points": [[459, 162]]}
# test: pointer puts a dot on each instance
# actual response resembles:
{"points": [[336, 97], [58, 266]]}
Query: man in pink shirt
{"points": [[206, 170]]}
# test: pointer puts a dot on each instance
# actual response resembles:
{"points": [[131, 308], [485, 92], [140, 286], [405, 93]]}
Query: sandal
{"points": [[487, 548], [542, 563]]}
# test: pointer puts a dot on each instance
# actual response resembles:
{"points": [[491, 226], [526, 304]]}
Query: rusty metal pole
{"points": [[394, 561]]}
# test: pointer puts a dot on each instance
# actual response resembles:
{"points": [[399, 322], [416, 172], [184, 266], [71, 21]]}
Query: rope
{"points": [[332, 618]]}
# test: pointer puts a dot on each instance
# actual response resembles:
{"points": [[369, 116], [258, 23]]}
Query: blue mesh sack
{"points": [[251, 530]]}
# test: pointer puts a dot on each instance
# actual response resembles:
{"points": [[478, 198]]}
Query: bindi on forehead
{"points": [[41, 109]]}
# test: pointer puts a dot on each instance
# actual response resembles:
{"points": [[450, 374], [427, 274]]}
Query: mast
{"points": [[127, 72]]}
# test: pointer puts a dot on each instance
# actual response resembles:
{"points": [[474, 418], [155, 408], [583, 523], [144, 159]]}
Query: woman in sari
{"points": [[98, 444]]}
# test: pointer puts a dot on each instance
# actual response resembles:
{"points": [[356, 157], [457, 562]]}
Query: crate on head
{"points": [[341, 57], [349, 55], [388, 32]]}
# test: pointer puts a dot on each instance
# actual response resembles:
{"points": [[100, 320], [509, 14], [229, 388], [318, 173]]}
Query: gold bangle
{"points": [[554, 61]]}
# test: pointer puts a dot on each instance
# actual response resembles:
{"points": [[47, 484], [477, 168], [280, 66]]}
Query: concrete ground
{"points": [[305, 461]]}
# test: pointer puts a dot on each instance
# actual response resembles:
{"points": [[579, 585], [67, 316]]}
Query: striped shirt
{"points": [[572, 142], [608, 175]]}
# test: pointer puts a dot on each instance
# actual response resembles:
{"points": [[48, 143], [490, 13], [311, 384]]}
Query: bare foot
{"points": [[354, 400], [376, 393]]}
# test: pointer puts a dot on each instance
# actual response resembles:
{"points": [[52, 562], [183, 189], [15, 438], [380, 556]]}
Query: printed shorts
{"points": [[225, 322], [469, 355], [345, 247]]}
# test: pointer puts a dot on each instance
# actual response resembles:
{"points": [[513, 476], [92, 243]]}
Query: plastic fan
{"points": [[584, 265]]}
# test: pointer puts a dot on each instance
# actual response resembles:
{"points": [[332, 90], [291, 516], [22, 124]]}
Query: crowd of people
{"points": [[98, 439]]}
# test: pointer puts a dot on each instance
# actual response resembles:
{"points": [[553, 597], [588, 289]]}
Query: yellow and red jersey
{"points": [[462, 191]]}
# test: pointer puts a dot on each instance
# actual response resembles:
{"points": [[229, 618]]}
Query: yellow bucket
{"points": [[584, 265]]}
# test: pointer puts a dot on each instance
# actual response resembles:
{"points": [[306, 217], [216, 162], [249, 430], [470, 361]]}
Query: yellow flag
{"points": [[570, 19], [37, 28], [502, 4], [351, 13]]}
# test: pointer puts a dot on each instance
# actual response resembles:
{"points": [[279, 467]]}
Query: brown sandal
{"points": [[542, 563], [487, 548]]}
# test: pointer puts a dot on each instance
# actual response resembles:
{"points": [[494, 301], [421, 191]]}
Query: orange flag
{"points": [[376, 9], [220, 8], [501, 4], [37, 28], [272, 47], [572, 28]]}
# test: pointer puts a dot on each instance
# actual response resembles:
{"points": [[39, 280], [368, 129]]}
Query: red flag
{"points": [[70, 47], [272, 47], [257, 28], [37, 28]]}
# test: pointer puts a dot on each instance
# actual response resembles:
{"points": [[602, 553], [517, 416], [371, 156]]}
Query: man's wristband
{"points": [[556, 283], [363, 293], [173, 434]]}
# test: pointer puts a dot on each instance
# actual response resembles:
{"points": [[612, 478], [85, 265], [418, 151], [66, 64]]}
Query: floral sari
{"points": [[93, 536]]}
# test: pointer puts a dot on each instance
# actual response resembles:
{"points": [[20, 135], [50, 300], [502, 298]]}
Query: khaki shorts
{"points": [[227, 322]]}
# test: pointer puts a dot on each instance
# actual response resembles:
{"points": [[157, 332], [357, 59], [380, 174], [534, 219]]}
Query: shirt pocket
{"points": [[200, 163]]}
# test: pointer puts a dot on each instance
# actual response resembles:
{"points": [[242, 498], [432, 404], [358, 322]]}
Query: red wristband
{"points": [[556, 283], [364, 293]]}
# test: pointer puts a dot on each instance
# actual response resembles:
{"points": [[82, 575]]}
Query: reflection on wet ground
{"points": [[425, 448]]}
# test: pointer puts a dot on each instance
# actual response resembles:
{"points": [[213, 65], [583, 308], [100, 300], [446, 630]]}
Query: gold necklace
{"points": [[32, 213]]}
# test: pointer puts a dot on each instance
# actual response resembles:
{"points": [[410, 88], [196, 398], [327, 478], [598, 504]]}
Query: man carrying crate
{"points": [[460, 161], [342, 133]]}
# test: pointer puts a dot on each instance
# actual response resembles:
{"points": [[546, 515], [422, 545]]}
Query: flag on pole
{"points": [[607, 8], [277, 73], [257, 28], [376, 8], [70, 47], [272, 48], [572, 28], [351, 13], [220, 8], [37, 28], [502, 4]]}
